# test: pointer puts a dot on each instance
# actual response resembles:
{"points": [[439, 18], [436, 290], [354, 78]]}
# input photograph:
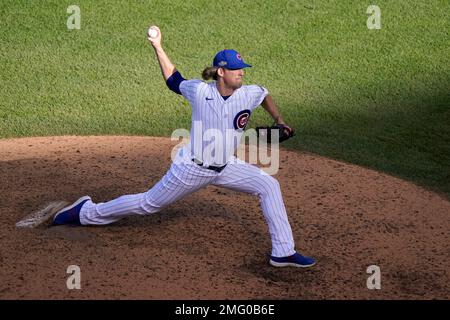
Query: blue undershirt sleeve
{"points": [[174, 81]]}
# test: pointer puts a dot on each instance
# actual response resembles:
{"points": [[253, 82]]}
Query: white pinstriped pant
{"points": [[185, 178]]}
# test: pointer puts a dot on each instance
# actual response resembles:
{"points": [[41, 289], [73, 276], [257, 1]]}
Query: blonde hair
{"points": [[210, 73]]}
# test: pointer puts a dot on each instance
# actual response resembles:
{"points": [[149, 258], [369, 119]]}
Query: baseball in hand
{"points": [[152, 32]]}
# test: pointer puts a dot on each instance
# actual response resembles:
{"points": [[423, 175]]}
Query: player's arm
{"points": [[170, 74], [269, 105], [167, 67]]}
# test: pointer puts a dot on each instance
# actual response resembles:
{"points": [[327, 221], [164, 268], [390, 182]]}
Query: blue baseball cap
{"points": [[229, 59]]}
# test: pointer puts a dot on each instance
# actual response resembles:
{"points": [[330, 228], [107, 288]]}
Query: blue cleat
{"points": [[296, 260], [71, 214]]}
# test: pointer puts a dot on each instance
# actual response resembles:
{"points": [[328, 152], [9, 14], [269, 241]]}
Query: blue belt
{"points": [[214, 168]]}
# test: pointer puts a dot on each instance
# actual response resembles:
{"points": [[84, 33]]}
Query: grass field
{"points": [[378, 98]]}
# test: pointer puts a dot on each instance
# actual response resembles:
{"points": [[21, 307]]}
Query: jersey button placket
{"points": [[224, 110]]}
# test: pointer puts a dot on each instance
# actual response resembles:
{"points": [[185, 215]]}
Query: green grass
{"points": [[378, 98]]}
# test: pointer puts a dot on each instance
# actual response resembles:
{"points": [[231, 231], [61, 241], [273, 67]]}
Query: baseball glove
{"points": [[284, 132]]}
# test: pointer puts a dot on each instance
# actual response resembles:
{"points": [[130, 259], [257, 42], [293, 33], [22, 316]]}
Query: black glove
{"points": [[284, 132]]}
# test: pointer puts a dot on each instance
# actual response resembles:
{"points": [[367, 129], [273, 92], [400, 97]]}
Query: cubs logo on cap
{"points": [[230, 59]]}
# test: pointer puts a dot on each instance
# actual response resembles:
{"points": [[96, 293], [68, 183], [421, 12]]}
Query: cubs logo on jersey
{"points": [[241, 119]]}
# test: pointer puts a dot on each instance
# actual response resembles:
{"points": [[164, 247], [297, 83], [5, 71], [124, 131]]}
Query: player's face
{"points": [[233, 78]]}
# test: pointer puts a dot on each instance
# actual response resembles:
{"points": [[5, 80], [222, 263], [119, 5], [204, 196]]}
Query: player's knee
{"points": [[149, 205], [269, 185]]}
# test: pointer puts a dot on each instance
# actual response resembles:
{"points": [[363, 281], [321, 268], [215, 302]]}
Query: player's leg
{"points": [[181, 180], [244, 177]]}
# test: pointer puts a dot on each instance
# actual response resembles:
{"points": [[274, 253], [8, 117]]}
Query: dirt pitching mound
{"points": [[214, 244]]}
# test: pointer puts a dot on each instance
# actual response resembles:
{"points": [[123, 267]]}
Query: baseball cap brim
{"points": [[238, 66]]}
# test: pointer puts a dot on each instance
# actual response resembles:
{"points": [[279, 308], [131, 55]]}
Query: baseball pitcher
{"points": [[218, 106]]}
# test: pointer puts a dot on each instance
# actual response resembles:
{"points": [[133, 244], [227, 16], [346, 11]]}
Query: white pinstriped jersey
{"points": [[215, 119]]}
